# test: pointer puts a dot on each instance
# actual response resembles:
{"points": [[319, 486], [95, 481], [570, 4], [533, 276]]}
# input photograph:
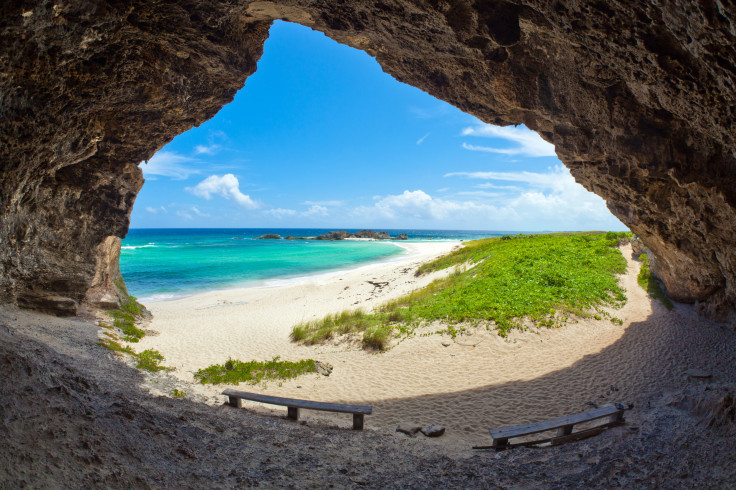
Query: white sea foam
{"points": [[133, 247]]}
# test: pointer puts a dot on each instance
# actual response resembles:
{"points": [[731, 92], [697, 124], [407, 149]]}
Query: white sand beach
{"points": [[468, 384]]}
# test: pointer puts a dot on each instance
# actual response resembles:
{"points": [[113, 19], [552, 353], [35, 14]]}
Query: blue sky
{"points": [[321, 137]]}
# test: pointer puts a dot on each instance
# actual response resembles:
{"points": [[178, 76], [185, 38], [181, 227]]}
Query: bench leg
{"points": [[292, 413], [500, 444], [234, 401], [357, 421], [616, 418], [565, 430]]}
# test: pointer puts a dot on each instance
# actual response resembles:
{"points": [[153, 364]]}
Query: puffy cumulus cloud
{"points": [[226, 186], [168, 164], [420, 205], [528, 143], [546, 201]]}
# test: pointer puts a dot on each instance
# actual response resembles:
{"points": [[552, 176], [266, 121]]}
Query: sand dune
{"points": [[478, 381]]}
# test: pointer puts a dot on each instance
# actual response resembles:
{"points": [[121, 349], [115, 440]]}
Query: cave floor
{"points": [[73, 415]]}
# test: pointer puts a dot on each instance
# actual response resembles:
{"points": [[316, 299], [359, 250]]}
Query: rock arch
{"points": [[638, 99]]}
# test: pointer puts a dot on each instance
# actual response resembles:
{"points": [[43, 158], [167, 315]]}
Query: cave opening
{"points": [[321, 138]]}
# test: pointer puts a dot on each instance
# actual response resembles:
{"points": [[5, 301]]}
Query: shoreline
{"points": [[407, 247]]}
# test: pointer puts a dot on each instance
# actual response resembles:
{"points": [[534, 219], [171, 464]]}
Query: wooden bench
{"points": [[293, 405], [564, 426]]}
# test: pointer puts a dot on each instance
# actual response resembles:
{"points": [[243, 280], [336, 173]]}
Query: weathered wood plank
{"points": [[533, 428], [297, 403], [554, 440]]}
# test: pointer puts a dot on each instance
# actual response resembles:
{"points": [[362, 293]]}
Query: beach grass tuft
{"points": [[649, 282], [115, 346], [253, 372], [150, 360], [125, 321], [377, 337], [502, 281]]}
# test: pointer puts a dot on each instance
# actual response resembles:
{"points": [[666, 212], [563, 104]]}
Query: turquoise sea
{"points": [[160, 264]]}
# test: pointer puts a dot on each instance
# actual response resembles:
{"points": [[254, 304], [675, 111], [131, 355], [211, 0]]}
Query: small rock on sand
{"points": [[446, 343], [433, 430], [408, 429], [698, 373], [323, 368]]}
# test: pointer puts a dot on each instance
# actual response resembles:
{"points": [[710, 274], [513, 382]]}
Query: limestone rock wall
{"points": [[638, 98]]}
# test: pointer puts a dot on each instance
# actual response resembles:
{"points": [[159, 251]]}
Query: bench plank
{"points": [[505, 433], [296, 403]]}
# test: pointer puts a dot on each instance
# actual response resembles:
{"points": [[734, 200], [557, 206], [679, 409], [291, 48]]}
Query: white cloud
{"points": [[421, 140], [157, 210], [206, 150], [528, 142], [420, 205], [549, 201], [488, 185], [184, 214], [280, 212], [196, 211], [316, 209], [557, 178], [190, 212], [226, 186], [480, 194], [323, 203], [168, 164]]}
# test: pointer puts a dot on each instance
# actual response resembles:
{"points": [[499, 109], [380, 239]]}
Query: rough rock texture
{"points": [[638, 98], [73, 416]]}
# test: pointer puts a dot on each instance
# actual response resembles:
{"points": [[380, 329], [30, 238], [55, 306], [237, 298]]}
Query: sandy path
{"points": [[476, 382]]}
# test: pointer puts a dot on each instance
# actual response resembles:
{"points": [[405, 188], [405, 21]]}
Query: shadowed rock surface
{"points": [[73, 415], [637, 97]]}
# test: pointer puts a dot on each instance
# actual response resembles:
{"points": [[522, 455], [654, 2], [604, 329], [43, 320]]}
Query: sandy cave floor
{"points": [[73, 414]]}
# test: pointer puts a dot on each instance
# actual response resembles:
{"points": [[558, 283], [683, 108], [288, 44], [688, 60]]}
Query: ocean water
{"points": [[160, 264]]}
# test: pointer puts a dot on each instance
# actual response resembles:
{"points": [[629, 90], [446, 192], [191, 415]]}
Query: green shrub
{"points": [[125, 321], [178, 394], [648, 281], [253, 372], [150, 360]]}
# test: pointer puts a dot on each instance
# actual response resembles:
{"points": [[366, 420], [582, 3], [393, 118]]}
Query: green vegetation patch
{"points": [[115, 346], [178, 393], [542, 278], [650, 284], [254, 372], [125, 321], [150, 360], [132, 306]]}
